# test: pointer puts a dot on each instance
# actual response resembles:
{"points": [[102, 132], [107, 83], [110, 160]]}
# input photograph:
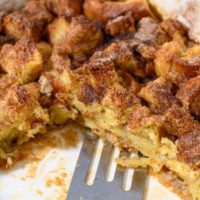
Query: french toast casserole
{"points": [[113, 67]]}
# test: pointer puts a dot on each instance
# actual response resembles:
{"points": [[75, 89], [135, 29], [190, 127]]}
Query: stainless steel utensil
{"points": [[96, 176]]}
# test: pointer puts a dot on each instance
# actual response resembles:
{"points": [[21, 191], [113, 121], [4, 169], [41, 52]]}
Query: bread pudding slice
{"points": [[130, 78], [116, 114], [153, 121]]}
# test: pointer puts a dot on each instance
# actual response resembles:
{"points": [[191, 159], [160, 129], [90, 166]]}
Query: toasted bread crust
{"points": [[189, 95], [103, 11]]}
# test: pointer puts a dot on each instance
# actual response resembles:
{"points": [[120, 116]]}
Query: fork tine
{"points": [[100, 190], [112, 165], [94, 163], [128, 176]]}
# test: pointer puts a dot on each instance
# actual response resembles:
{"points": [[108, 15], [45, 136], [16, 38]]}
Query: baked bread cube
{"points": [[22, 61], [189, 95], [159, 95], [21, 115], [179, 122], [57, 30], [59, 114], [150, 33], [164, 57], [64, 7], [79, 36], [28, 22], [122, 55], [102, 11], [188, 63], [189, 147], [122, 24], [176, 61]]}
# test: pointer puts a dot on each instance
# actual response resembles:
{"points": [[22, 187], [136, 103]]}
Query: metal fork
{"points": [[96, 176]]}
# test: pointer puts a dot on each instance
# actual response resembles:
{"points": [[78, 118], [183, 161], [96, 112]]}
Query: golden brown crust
{"points": [[21, 115], [123, 57], [189, 95], [185, 65], [102, 11], [18, 98], [187, 68], [22, 61], [18, 24], [148, 38], [59, 63], [38, 11], [122, 24], [57, 30], [102, 71], [64, 7], [179, 122], [29, 22], [128, 82], [139, 115], [150, 33], [189, 147], [88, 95], [164, 58], [79, 35], [159, 95]]}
